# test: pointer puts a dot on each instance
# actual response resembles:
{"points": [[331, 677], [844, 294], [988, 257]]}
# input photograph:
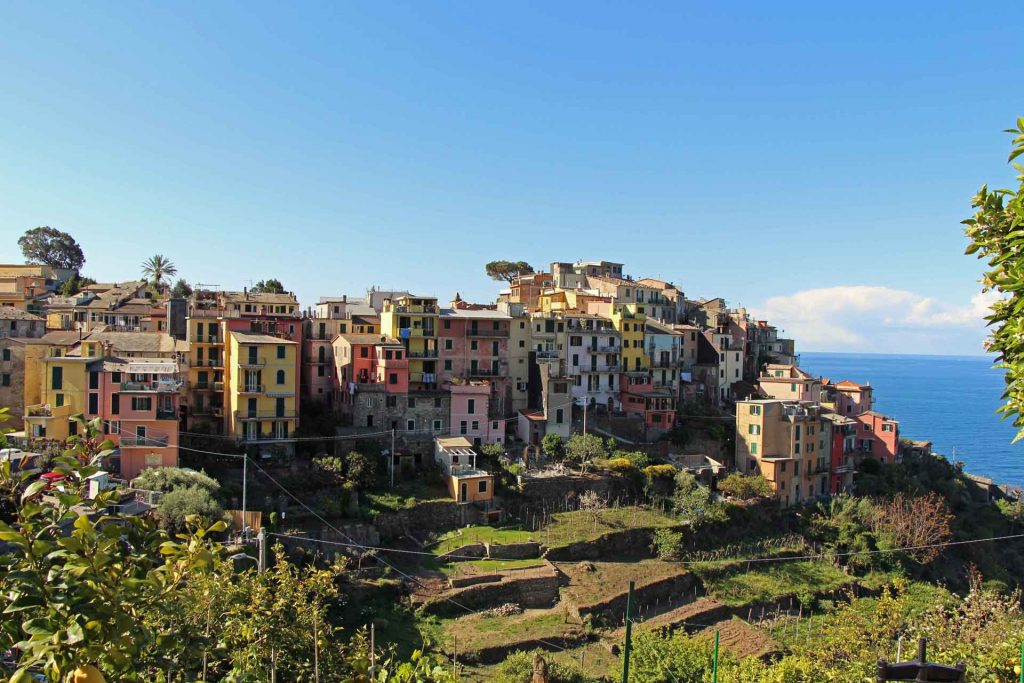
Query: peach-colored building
{"points": [[878, 436], [138, 399], [526, 289], [466, 484], [852, 398], [788, 382]]}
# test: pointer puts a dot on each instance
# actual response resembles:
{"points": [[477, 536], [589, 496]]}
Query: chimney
{"points": [[344, 298]]}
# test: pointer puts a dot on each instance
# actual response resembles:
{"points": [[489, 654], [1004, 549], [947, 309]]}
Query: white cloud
{"points": [[877, 319]]}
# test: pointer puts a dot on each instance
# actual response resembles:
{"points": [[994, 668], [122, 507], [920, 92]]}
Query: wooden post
{"points": [[316, 648], [455, 657], [540, 669], [714, 663], [629, 635]]}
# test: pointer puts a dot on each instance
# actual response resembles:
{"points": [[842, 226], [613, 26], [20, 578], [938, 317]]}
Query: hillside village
{"points": [[497, 477]]}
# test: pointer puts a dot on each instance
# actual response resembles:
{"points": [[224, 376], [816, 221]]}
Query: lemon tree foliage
{"points": [[996, 232], [88, 590]]}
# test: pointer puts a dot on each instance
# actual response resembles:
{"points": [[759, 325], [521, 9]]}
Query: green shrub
{"points": [[668, 544], [167, 479], [744, 487], [553, 446], [182, 502], [638, 458], [518, 668]]}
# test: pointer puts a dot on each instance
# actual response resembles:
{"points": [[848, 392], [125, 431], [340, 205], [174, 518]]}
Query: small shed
{"points": [[457, 460]]}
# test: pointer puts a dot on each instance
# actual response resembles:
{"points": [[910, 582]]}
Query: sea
{"points": [[948, 400]]}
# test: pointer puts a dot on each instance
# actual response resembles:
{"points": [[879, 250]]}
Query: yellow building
{"points": [[631, 325], [789, 443], [207, 391], [63, 382], [262, 401], [413, 320]]}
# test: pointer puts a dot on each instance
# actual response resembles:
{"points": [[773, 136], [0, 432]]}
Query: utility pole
{"points": [[714, 662], [629, 635], [261, 550], [245, 490], [373, 647], [391, 458], [455, 657]]}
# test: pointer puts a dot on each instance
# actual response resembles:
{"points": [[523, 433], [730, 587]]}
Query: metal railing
{"points": [[160, 387], [267, 415], [248, 362], [209, 363], [430, 353], [154, 441], [252, 389]]}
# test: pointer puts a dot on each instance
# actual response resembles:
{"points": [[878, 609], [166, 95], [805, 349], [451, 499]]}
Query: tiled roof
{"points": [[135, 342], [12, 313], [369, 339], [251, 338]]}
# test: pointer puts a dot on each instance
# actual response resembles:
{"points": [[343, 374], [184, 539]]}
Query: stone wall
{"points": [[12, 382], [470, 550], [513, 551], [431, 516], [615, 607], [529, 588], [626, 544]]}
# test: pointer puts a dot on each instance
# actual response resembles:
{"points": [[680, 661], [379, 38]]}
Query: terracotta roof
{"points": [[135, 342], [12, 313], [847, 384], [370, 339], [251, 338], [260, 298]]}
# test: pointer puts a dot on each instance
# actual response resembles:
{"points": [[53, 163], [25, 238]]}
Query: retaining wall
{"points": [[529, 588]]}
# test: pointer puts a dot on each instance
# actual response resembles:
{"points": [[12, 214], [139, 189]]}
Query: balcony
{"points": [[430, 353], [484, 372], [148, 441], [427, 309], [208, 386], [251, 362], [487, 333], [252, 389], [605, 349], [416, 332], [246, 415], [548, 355], [167, 413], [208, 363], [207, 339], [150, 387], [613, 367]]}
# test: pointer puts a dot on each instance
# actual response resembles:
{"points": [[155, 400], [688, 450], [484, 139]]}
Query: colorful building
{"points": [[878, 436], [474, 346], [789, 443], [413, 320], [788, 382], [466, 483], [593, 360], [471, 415], [262, 400]]}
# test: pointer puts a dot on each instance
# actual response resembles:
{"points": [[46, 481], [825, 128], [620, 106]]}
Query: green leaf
{"points": [[33, 488]]}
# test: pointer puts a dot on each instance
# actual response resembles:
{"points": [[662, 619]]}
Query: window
{"points": [[796, 448], [522, 344], [447, 344], [57, 378], [393, 378], [755, 410], [280, 352], [494, 348], [559, 416], [753, 429], [390, 401], [94, 381], [58, 400], [412, 402], [142, 403], [471, 406], [7, 354], [448, 364], [320, 371], [115, 404], [887, 426], [5, 380], [437, 425], [473, 345], [494, 425], [462, 427], [364, 352], [280, 376], [482, 486], [753, 448], [410, 425], [437, 402], [796, 468], [476, 426], [783, 467], [447, 324]]}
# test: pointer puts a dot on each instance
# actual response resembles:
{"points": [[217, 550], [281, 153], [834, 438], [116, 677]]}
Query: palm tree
{"points": [[156, 268]]}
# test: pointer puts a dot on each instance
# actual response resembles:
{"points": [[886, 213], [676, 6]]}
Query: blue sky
{"points": [[764, 152]]}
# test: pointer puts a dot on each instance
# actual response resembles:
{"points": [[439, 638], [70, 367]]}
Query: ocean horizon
{"points": [[950, 400]]}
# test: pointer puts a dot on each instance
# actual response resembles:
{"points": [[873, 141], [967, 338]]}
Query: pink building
{"points": [[473, 346], [138, 401], [878, 436], [657, 405], [470, 413], [369, 359]]}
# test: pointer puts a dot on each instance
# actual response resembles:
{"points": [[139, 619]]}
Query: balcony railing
{"points": [[484, 372], [601, 368], [427, 309], [430, 353], [159, 387], [250, 362], [166, 414], [208, 386], [252, 389], [268, 415], [208, 339], [611, 348], [209, 363], [548, 355], [149, 441]]}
